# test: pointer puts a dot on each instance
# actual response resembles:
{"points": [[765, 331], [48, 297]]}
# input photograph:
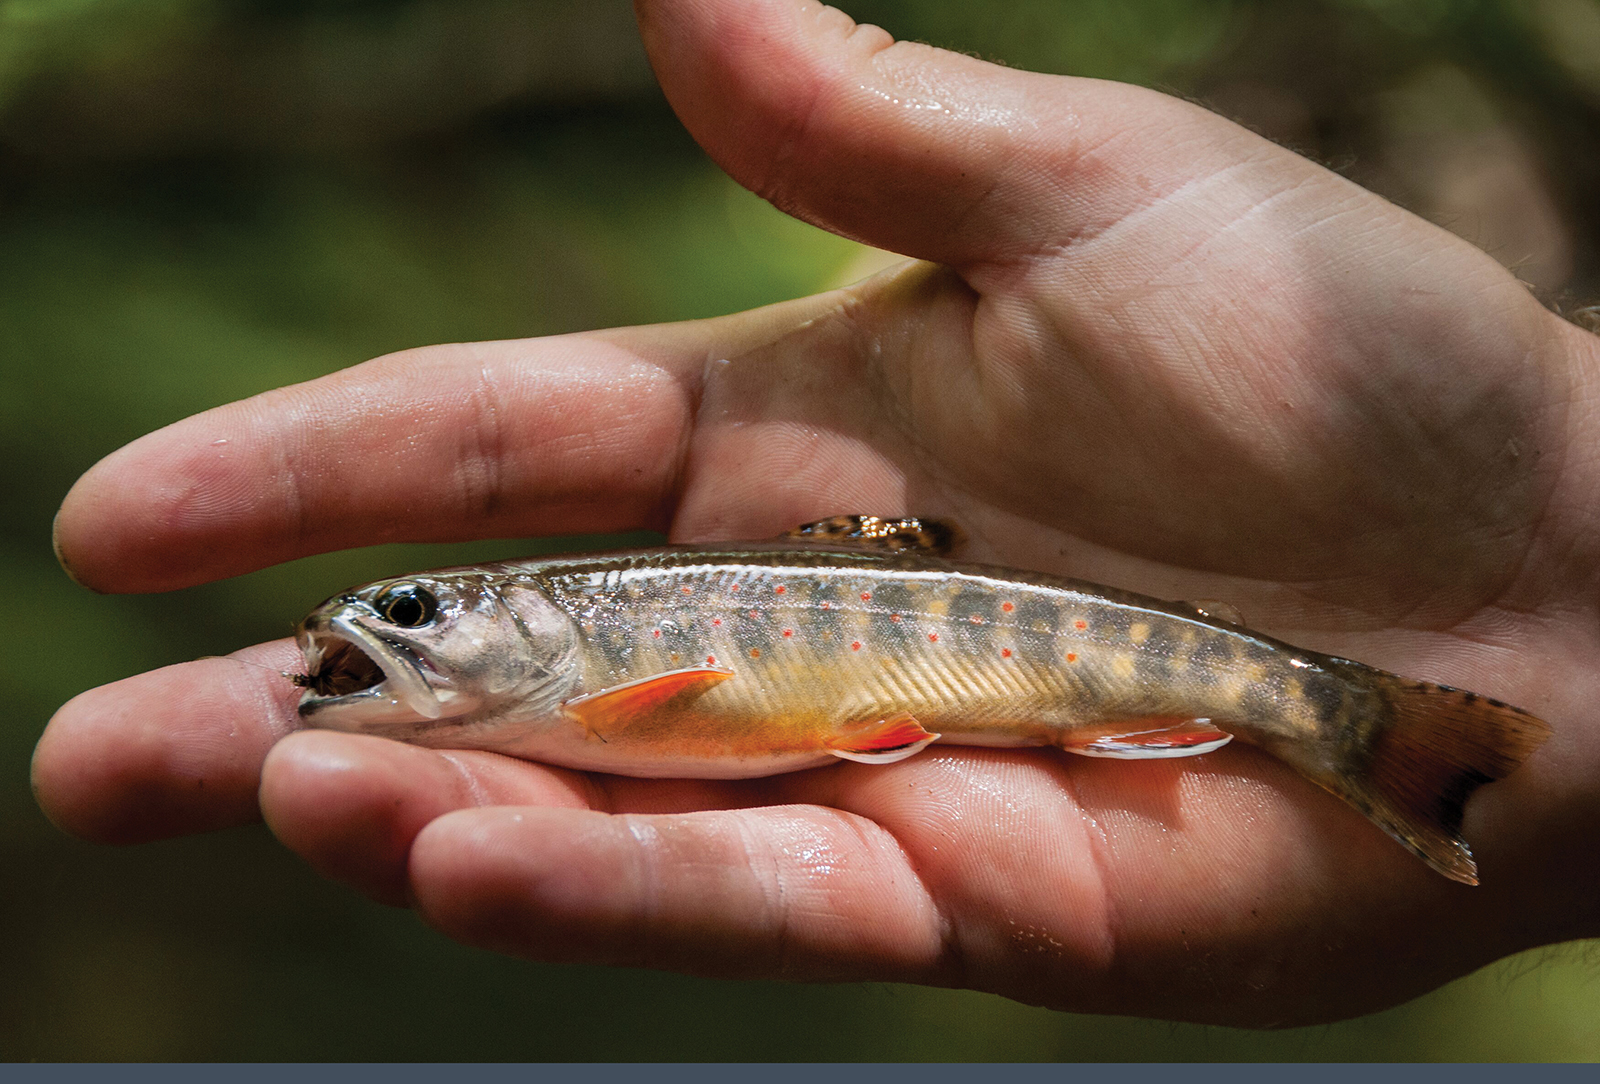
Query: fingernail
{"points": [[61, 558]]}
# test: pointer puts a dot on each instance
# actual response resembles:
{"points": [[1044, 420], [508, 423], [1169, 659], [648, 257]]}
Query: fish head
{"points": [[405, 655]]}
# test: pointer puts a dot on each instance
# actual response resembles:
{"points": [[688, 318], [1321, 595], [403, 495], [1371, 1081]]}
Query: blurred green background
{"points": [[202, 199]]}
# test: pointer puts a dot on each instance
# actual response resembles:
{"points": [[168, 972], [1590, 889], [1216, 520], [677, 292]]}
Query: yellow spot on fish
{"points": [[1122, 666], [1138, 632]]}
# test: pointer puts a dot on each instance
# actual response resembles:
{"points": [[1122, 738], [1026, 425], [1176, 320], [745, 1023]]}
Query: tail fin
{"points": [[1441, 744]]}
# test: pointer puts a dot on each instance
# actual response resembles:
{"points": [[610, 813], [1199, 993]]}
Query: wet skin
{"points": [[1162, 354]]}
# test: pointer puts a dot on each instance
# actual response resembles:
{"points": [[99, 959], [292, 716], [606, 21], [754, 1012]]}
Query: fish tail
{"points": [[1439, 745]]}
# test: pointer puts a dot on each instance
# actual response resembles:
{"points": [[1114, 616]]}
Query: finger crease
{"points": [[482, 484], [474, 789], [1110, 920], [774, 892]]}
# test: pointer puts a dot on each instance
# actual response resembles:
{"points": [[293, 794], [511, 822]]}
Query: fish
{"points": [[857, 638]]}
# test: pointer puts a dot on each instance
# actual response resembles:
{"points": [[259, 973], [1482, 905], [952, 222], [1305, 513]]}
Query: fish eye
{"points": [[408, 605]]}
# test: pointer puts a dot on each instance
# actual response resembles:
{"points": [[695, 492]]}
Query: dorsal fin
{"points": [[931, 536]]}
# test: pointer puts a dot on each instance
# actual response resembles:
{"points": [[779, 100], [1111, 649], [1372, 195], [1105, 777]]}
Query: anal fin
{"points": [[883, 741], [1148, 739]]}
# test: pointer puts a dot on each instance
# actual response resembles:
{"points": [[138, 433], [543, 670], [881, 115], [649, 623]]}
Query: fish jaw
{"points": [[403, 693]]}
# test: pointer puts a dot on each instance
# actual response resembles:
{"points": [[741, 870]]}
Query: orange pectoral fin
{"points": [[607, 709], [882, 742], [1148, 739]]}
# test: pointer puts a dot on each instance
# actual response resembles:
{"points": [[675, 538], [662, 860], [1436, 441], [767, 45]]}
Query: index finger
{"points": [[570, 434], [442, 443]]}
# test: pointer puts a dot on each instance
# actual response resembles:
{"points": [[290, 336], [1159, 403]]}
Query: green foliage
{"points": [[1151, 42], [48, 37], [201, 200]]}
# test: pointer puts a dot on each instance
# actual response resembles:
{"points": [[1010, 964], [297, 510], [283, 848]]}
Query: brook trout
{"points": [[750, 660]]}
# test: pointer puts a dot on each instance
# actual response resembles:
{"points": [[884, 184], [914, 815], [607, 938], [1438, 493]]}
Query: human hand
{"points": [[1163, 354]]}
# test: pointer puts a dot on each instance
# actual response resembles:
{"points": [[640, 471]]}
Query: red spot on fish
{"points": [[780, 589], [752, 613], [687, 590], [976, 619], [1080, 624], [716, 622], [895, 618], [1007, 607], [866, 596], [711, 660], [855, 645], [1005, 652], [755, 652], [734, 587], [1072, 656], [788, 632], [826, 606], [656, 633], [933, 637]]}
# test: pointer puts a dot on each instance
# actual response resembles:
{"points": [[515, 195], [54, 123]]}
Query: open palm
{"points": [[1160, 352]]}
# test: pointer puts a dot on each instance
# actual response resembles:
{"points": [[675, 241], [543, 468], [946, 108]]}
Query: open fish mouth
{"points": [[347, 664], [344, 669]]}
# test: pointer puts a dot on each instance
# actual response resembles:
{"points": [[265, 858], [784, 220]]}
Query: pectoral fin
{"points": [[883, 741], [1149, 739], [604, 711]]}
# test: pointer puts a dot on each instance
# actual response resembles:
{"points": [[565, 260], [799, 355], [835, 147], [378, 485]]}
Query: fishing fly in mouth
{"points": [[856, 638]]}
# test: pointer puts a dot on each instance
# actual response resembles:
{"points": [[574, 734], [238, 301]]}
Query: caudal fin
{"points": [[1441, 744]]}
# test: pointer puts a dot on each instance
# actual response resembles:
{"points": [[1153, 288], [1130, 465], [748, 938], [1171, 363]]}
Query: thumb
{"points": [[915, 149]]}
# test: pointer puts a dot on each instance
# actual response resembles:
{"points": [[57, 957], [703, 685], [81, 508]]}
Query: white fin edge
{"points": [[1111, 749], [888, 756]]}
